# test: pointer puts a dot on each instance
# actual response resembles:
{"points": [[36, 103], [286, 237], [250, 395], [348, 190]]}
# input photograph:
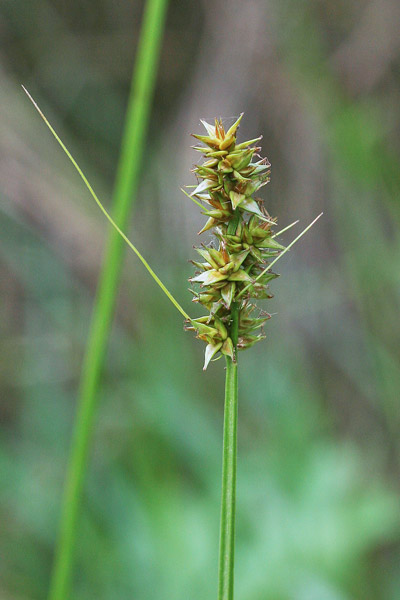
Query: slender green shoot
{"points": [[280, 256], [106, 214], [229, 463], [126, 185]]}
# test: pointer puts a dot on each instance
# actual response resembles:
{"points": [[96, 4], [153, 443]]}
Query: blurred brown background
{"points": [[319, 399]]}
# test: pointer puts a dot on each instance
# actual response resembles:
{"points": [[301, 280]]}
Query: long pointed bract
{"points": [[104, 211]]}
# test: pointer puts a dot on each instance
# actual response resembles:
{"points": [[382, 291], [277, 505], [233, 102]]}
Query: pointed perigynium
{"points": [[228, 178]]}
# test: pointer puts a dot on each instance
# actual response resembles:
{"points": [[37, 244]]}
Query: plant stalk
{"points": [[126, 185], [229, 460]]}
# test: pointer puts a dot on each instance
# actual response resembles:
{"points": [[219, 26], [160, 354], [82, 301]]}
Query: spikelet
{"points": [[230, 269]]}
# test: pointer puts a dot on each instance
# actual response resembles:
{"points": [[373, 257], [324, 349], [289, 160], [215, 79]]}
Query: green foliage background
{"points": [[319, 456]]}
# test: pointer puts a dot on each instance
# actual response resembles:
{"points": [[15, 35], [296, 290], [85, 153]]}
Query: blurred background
{"points": [[319, 451]]}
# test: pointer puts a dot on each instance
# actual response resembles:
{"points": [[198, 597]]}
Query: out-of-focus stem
{"points": [[126, 185]]}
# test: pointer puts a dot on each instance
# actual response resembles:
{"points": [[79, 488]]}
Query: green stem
{"points": [[126, 185], [229, 459]]}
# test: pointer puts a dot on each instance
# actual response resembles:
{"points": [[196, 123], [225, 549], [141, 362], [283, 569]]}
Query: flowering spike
{"points": [[237, 270]]}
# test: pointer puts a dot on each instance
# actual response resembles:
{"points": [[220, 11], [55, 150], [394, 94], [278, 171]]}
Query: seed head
{"points": [[228, 178]]}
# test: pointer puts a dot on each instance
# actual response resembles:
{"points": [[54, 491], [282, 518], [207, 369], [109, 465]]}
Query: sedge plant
{"points": [[235, 272]]}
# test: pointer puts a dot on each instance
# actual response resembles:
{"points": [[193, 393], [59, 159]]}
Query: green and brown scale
{"points": [[244, 242]]}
